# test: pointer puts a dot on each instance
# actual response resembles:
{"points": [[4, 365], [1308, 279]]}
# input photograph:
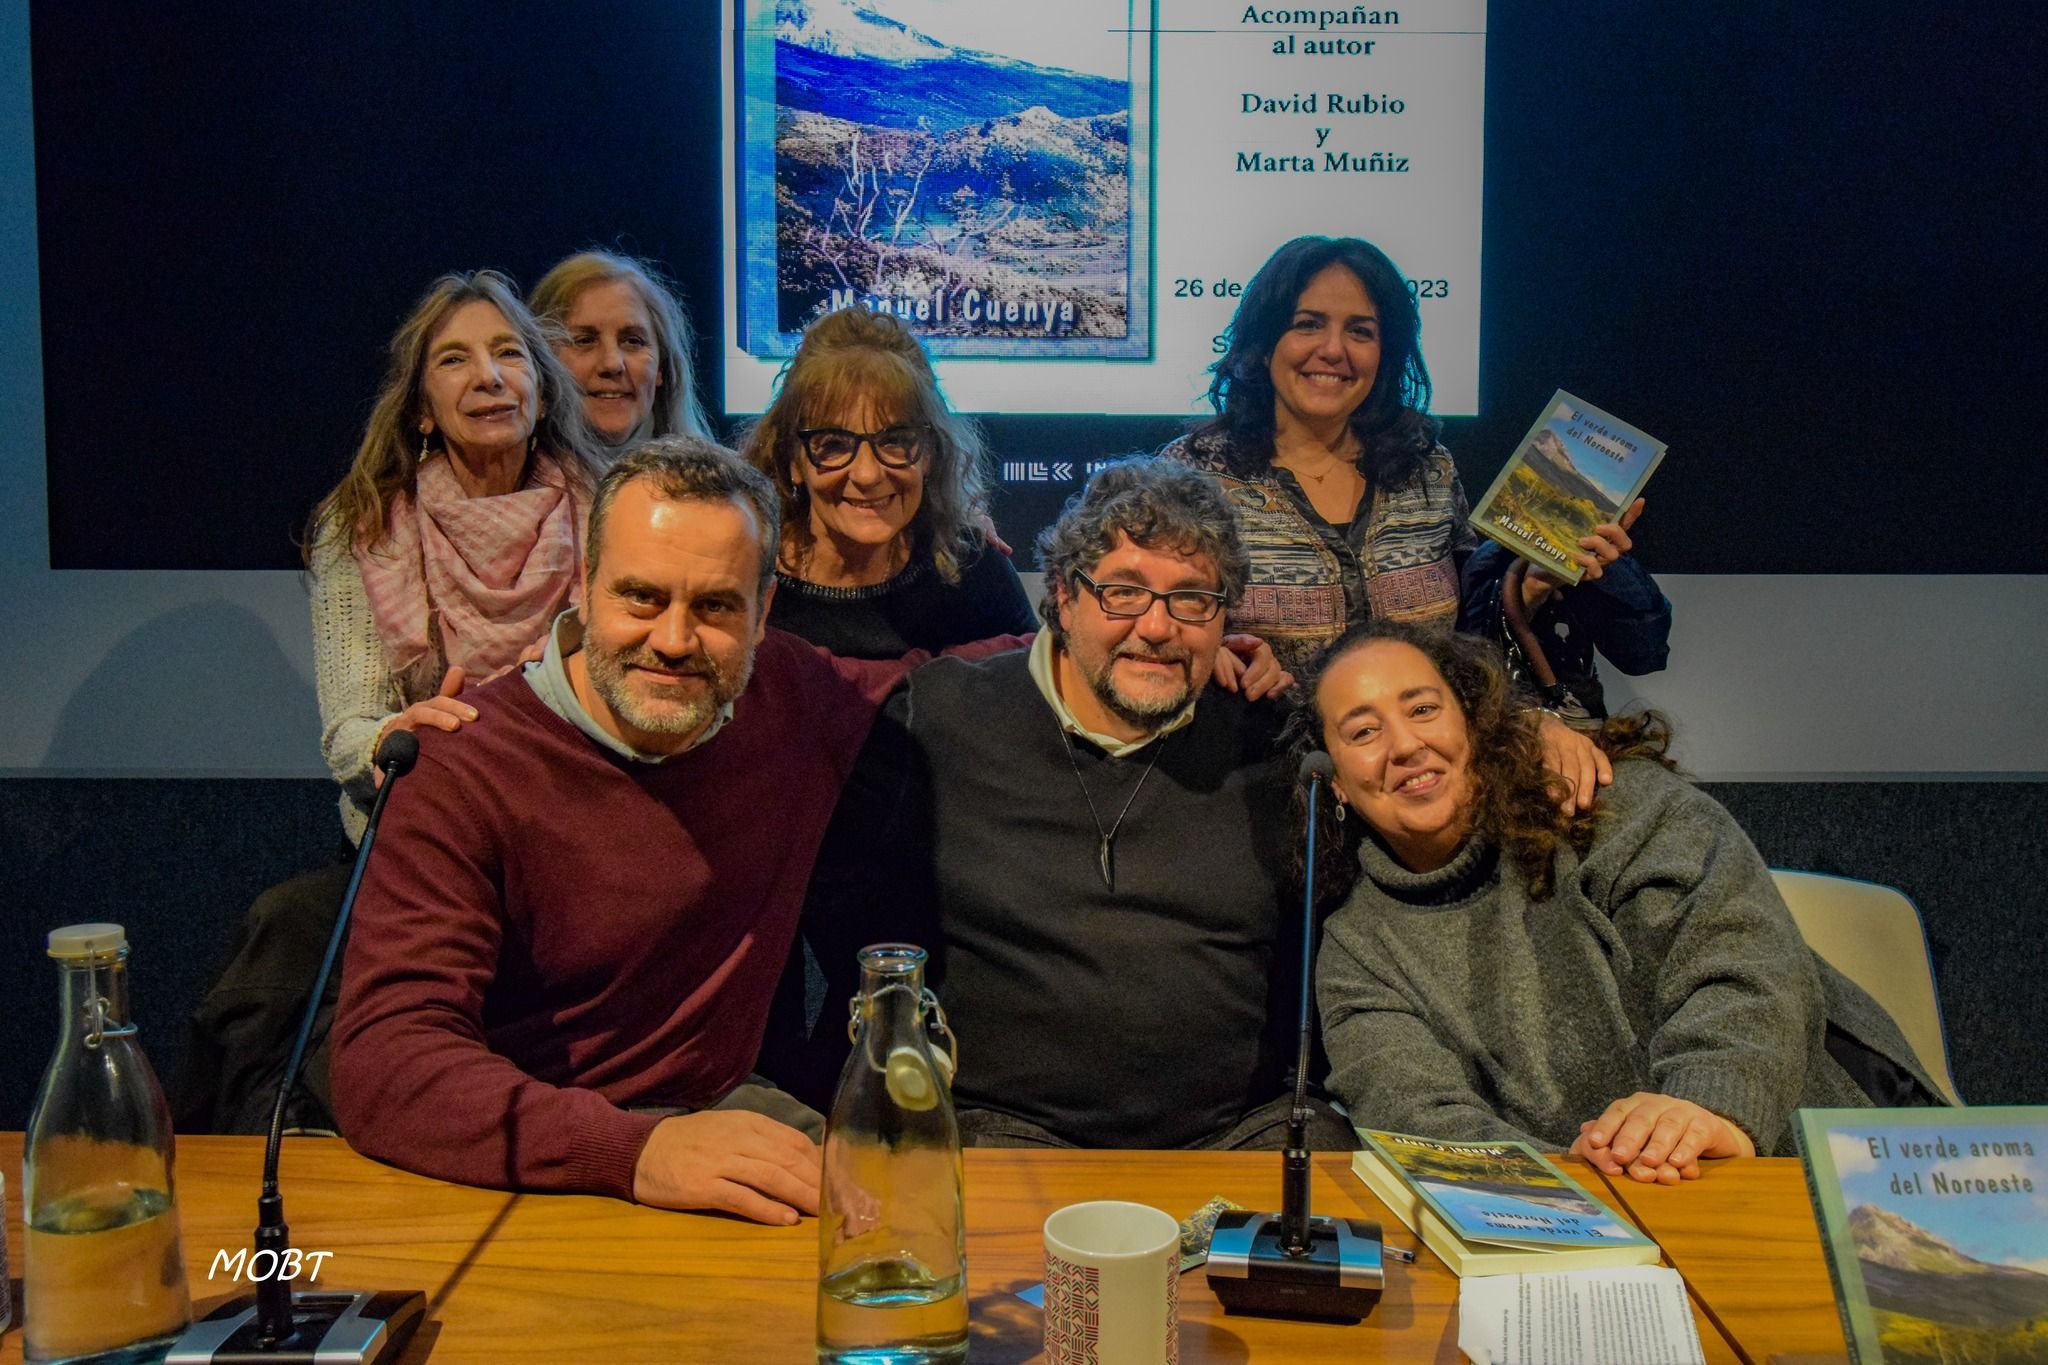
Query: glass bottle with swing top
{"points": [[103, 1274], [891, 1240]]}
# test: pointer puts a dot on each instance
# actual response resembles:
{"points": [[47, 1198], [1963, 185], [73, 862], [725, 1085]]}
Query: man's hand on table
{"points": [[731, 1161]]}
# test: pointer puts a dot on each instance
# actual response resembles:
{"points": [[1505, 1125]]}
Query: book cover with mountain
{"points": [[1935, 1223], [1577, 467], [1495, 1208], [984, 179]]}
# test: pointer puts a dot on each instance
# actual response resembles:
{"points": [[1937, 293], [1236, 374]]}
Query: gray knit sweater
{"points": [[1455, 1006]]}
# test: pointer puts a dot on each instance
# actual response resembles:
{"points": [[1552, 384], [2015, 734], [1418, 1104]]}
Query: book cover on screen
{"points": [[986, 180], [1577, 467], [1495, 1208], [1935, 1223]]}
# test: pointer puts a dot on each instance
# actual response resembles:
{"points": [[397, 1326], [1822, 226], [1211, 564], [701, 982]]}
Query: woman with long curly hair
{"points": [[438, 562], [1626, 983]]}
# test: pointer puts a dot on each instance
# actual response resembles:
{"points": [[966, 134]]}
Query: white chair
{"points": [[1872, 935]]}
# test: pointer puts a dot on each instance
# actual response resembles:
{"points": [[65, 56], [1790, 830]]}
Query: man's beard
{"points": [[1146, 713], [609, 677]]}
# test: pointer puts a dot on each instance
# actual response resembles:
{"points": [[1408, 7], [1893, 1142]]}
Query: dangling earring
{"points": [[1341, 808], [423, 448]]}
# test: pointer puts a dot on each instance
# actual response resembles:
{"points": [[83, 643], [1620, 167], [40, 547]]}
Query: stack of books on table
{"points": [[1496, 1208]]}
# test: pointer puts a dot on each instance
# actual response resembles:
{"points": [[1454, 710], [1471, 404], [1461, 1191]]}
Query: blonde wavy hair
{"points": [[387, 460], [678, 409]]}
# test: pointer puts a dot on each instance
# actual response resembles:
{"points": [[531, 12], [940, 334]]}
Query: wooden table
{"points": [[514, 1278], [1744, 1238]]}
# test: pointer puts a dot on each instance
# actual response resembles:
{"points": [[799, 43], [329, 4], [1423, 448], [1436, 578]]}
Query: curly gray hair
{"points": [[1161, 505]]}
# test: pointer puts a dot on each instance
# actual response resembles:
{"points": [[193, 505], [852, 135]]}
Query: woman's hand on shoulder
{"points": [[1573, 756], [442, 711], [986, 524], [1247, 664], [1658, 1139]]}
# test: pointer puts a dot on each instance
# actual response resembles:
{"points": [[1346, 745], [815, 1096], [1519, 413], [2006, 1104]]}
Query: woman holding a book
{"points": [[1625, 983], [1350, 508]]}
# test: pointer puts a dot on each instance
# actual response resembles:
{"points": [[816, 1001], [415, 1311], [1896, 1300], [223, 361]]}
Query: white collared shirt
{"points": [[1041, 665]]}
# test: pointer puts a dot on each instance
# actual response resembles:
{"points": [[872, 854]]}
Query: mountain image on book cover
{"points": [[984, 199], [1936, 1227], [1500, 1192], [1577, 467], [1928, 1290]]}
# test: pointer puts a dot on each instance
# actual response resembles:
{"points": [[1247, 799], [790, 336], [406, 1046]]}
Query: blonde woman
{"points": [[625, 339], [456, 538]]}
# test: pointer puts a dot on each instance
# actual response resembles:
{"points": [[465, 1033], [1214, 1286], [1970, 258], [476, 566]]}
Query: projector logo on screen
{"points": [[1036, 471], [997, 204]]}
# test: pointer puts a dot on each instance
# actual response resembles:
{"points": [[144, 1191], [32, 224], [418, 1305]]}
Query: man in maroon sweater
{"points": [[571, 927]]}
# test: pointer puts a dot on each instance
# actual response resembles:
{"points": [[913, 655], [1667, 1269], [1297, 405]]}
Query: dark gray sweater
{"points": [[1148, 1015], [1455, 1006]]}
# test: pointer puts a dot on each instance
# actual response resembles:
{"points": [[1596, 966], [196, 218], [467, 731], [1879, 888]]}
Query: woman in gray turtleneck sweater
{"points": [[1626, 983]]}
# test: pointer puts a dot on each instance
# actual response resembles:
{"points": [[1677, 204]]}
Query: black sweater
{"points": [[1146, 1016], [917, 609]]}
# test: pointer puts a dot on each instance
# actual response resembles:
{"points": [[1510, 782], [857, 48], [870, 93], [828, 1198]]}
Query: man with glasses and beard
{"points": [[1093, 846], [568, 935]]}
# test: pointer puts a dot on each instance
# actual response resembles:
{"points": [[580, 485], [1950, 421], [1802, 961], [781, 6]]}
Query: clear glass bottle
{"points": [[103, 1274], [892, 1249], [6, 1299]]}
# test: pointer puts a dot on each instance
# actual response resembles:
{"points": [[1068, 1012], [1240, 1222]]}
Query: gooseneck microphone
{"points": [[1291, 1264], [277, 1325]]}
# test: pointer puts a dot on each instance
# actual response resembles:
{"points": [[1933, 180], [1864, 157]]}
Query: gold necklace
{"points": [[1337, 462]]}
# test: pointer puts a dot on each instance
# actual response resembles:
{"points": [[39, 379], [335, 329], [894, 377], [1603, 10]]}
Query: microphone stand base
{"points": [[1338, 1280], [367, 1327]]}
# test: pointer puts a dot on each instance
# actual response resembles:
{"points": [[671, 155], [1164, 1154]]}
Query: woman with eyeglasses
{"points": [[884, 499]]}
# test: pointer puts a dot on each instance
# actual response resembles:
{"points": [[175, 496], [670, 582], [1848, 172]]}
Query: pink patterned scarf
{"points": [[483, 577]]}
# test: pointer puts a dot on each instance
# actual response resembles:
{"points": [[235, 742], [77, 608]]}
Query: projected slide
{"points": [[1064, 198]]}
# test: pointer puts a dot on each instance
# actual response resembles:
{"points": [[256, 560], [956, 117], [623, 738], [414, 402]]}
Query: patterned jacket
{"points": [[1309, 582]]}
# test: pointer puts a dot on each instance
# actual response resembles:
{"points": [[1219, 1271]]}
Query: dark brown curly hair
{"points": [[1517, 802], [1393, 423]]}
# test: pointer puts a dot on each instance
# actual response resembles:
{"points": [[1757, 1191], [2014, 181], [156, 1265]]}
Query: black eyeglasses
{"points": [[830, 448], [1192, 605]]}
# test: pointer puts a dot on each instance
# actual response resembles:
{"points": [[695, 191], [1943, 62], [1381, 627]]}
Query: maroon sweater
{"points": [[547, 932]]}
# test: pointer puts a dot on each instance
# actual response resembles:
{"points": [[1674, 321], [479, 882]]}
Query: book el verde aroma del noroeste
{"points": [[1935, 1223], [1577, 468], [1495, 1208]]}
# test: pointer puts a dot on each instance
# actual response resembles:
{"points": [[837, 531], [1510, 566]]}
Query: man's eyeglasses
{"points": [[1192, 605], [830, 448]]}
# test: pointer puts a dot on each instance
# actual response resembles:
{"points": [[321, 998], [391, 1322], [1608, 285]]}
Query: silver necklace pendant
{"points": [[1105, 846]]}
